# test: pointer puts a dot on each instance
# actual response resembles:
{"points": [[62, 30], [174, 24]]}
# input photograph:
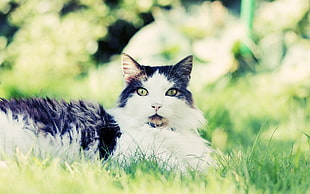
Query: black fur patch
{"points": [[57, 118]]}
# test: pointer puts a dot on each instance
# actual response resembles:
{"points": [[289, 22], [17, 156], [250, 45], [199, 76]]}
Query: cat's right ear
{"points": [[131, 68]]}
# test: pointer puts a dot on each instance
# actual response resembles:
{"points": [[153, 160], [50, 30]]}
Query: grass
{"points": [[260, 130], [260, 169]]}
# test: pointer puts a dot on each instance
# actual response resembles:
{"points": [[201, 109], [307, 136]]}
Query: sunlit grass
{"points": [[262, 168], [260, 134]]}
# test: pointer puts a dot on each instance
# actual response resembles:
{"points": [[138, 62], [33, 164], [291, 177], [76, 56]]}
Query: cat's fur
{"points": [[155, 118], [60, 128]]}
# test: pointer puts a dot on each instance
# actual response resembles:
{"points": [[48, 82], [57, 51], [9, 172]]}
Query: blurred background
{"points": [[252, 61]]}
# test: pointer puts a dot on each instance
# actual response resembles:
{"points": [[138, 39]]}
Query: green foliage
{"points": [[50, 48], [45, 45]]}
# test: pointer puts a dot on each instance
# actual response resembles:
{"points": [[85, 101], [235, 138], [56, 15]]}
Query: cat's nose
{"points": [[156, 106]]}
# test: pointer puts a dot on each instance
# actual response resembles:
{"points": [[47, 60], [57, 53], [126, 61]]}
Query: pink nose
{"points": [[156, 106]]}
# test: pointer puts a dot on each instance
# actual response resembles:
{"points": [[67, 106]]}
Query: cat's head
{"points": [[158, 96]]}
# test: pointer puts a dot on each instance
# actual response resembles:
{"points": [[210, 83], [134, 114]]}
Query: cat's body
{"points": [[155, 117], [57, 128]]}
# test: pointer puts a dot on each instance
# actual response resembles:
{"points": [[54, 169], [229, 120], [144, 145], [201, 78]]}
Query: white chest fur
{"points": [[170, 148]]}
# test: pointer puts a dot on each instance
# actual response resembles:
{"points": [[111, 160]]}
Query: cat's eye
{"points": [[172, 92], [142, 92]]}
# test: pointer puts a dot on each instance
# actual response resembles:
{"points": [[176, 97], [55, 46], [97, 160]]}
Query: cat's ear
{"points": [[131, 68], [184, 68]]}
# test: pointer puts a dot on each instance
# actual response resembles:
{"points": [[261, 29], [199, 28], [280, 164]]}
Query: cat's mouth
{"points": [[157, 121]]}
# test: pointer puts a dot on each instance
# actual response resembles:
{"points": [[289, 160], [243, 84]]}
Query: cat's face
{"points": [[158, 96]]}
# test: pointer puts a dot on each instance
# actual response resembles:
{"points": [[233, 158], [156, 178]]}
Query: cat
{"points": [[155, 117]]}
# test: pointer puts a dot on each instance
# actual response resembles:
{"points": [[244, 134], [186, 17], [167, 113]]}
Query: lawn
{"points": [[259, 131]]}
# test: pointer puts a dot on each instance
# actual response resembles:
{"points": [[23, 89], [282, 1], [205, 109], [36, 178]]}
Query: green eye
{"points": [[172, 92], [142, 92]]}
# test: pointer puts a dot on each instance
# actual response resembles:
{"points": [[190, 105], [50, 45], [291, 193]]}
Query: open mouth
{"points": [[157, 121]]}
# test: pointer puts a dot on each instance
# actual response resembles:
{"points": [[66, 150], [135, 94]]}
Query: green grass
{"points": [[260, 130], [262, 168]]}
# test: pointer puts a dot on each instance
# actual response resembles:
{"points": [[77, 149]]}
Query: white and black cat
{"points": [[155, 117]]}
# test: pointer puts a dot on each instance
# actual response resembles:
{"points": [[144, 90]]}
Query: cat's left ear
{"points": [[184, 68], [131, 68]]}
